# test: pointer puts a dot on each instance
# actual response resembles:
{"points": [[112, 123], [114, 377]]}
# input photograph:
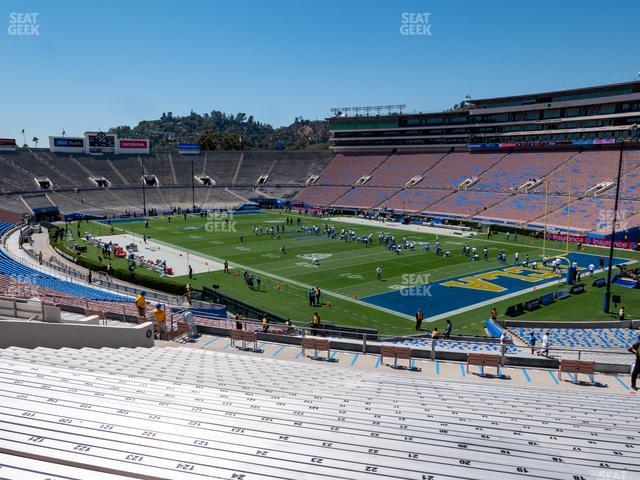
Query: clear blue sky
{"points": [[103, 64]]}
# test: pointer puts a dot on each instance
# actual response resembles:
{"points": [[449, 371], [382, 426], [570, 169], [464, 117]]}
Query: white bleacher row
{"points": [[186, 413]]}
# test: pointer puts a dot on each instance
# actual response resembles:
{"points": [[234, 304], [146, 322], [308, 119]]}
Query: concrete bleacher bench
{"points": [[577, 367], [318, 345], [483, 360], [247, 338], [186, 413], [397, 353]]}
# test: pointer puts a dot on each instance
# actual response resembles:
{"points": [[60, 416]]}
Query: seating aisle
{"points": [[185, 413]]}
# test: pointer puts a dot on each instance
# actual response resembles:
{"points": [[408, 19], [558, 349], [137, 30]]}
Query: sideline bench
{"points": [[317, 345], [397, 353], [483, 360], [577, 367], [246, 337]]}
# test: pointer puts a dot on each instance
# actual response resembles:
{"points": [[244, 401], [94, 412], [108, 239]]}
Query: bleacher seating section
{"points": [[398, 169], [321, 195], [588, 338], [364, 197], [499, 174], [466, 203], [184, 413], [13, 269], [458, 346], [414, 199], [518, 167], [457, 166], [583, 171], [347, 169], [592, 214], [523, 207]]}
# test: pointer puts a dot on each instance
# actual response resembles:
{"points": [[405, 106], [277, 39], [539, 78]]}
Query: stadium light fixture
{"points": [[607, 293]]}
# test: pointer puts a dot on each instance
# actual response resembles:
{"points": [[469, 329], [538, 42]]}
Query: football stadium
{"points": [[381, 292]]}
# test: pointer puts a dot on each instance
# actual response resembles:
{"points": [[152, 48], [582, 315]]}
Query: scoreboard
{"points": [[101, 142]]}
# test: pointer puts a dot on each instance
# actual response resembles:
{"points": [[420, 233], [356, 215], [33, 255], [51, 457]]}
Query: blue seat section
{"points": [[456, 345], [518, 167], [22, 273], [4, 226], [603, 338]]}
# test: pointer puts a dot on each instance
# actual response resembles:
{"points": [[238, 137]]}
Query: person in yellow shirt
{"points": [[265, 324], [141, 303], [161, 319], [315, 323]]}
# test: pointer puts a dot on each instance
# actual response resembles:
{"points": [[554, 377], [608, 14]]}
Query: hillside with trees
{"points": [[220, 131]]}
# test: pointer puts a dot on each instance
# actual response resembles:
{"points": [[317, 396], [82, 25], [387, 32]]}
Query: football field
{"points": [[291, 262]]}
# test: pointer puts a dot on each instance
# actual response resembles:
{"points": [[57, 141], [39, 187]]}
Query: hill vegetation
{"points": [[220, 131]]}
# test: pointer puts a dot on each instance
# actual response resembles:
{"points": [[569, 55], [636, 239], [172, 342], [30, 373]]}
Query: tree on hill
{"points": [[219, 131]]}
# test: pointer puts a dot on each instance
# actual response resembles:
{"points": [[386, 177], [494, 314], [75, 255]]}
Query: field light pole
{"points": [[607, 293], [193, 186], [144, 192]]}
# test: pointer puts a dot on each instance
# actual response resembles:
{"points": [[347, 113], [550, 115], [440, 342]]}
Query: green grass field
{"points": [[348, 272]]}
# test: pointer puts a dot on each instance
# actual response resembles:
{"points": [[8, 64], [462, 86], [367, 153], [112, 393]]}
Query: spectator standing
{"points": [[315, 323], [621, 314], [635, 349], [265, 324], [160, 317], [318, 294], [141, 302], [238, 321], [532, 342], [544, 351], [447, 332], [419, 319], [312, 297]]}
